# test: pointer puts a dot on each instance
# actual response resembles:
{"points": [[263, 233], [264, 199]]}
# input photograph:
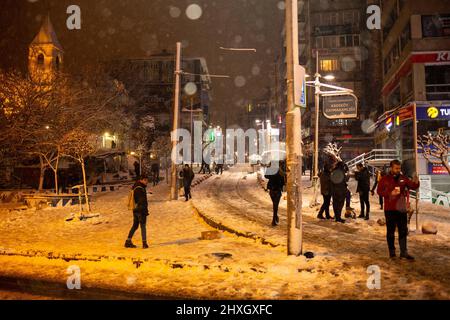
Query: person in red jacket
{"points": [[394, 188]]}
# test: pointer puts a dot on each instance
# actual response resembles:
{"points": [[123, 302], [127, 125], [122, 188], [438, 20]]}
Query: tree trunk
{"points": [[56, 175], [85, 186], [42, 175], [167, 171], [446, 164]]}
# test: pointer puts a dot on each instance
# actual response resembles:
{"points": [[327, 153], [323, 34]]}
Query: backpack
{"points": [[131, 204]]}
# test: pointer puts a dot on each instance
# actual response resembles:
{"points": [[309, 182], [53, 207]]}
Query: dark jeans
{"points": [[139, 220], [326, 206], [397, 219], [348, 199], [365, 203], [187, 192], [275, 195], [338, 205]]}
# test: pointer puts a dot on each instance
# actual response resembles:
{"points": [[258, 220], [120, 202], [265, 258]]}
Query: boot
{"points": [[275, 221], [339, 219], [320, 217], [144, 245], [367, 218], [129, 244], [407, 257]]}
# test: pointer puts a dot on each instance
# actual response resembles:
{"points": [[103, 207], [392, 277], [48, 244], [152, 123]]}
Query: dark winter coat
{"points": [[387, 184], [276, 182], [339, 181], [325, 182], [188, 176], [140, 199], [363, 178]]}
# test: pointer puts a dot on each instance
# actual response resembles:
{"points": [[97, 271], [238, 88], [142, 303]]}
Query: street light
{"points": [[337, 90]]}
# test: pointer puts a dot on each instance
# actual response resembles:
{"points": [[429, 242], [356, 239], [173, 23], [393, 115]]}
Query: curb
{"points": [[221, 227], [201, 180]]}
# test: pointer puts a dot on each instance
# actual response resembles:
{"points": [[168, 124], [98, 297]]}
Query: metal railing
{"points": [[375, 155], [437, 197]]}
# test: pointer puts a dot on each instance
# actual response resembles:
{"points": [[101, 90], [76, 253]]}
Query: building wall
{"points": [[151, 84], [352, 53], [408, 52]]}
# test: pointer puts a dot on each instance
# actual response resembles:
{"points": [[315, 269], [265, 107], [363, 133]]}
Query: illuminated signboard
{"points": [[437, 169], [432, 112]]}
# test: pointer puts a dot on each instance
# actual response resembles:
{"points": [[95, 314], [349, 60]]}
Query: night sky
{"points": [[136, 28]]}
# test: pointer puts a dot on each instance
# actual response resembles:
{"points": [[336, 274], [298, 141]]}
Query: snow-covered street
{"points": [[41, 246]]}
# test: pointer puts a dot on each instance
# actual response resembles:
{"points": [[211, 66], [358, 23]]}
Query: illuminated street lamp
{"points": [[318, 85]]}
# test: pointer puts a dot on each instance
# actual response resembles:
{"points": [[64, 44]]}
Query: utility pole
{"points": [[293, 136], [316, 129], [176, 111], [416, 158]]}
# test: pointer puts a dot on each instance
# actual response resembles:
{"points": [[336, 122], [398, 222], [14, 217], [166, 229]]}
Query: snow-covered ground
{"points": [[42, 245]]}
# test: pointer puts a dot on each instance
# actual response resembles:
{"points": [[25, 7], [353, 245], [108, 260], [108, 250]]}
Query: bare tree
{"points": [[436, 148], [78, 145], [163, 146], [35, 114]]}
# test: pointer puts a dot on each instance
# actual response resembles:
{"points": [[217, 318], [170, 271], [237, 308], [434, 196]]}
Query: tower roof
{"points": [[47, 35]]}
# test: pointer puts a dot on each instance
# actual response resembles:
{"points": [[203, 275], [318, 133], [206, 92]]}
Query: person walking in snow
{"points": [[363, 178], [339, 181], [394, 188], [275, 187], [325, 188], [188, 176], [140, 211]]}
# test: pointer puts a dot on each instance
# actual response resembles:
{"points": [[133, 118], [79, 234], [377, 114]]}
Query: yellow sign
{"points": [[433, 112]]}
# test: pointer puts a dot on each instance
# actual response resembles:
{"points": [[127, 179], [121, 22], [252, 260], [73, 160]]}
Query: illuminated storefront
{"points": [[396, 130]]}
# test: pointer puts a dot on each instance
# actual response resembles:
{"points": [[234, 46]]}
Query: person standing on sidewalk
{"points": [[325, 188], [379, 176], [363, 178], [188, 176], [394, 188], [339, 189], [275, 187], [140, 212]]}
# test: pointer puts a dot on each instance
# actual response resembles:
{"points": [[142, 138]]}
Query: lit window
{"points": [[329, 64]]}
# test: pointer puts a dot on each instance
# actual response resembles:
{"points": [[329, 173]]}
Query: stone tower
{"points": [[45, 57]]}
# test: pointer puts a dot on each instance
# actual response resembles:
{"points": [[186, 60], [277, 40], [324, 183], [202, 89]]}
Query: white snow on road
{"points": [[42, 245]]}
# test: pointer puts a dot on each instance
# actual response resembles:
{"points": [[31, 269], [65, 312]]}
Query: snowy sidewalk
{"points": [[236, 202], [40, 246]]}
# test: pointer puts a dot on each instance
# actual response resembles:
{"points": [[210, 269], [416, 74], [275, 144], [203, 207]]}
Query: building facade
{"points": [[151, 81], [45, 53], [350, 52], [416, 77]]}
